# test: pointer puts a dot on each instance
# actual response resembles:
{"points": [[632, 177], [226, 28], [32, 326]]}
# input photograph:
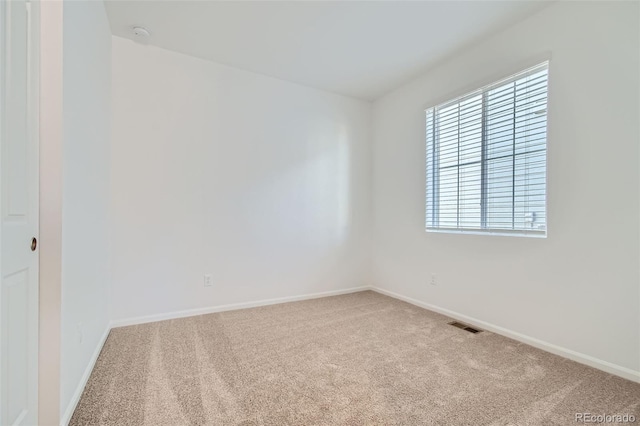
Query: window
{"points": [[486, 158]]}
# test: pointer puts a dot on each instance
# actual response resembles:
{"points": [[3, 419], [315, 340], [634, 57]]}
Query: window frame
{"points": [[457, 99]]}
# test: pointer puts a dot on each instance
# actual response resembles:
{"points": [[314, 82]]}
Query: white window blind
{"points": [[486, 158]]}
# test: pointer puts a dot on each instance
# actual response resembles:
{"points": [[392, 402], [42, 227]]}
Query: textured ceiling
{"points": [[359, 49]]}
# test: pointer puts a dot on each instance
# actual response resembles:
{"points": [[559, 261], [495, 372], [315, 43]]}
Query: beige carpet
{"points": [[357, 359]]}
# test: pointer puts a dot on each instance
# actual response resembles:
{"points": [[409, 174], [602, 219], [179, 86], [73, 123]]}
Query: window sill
{"points": [[500, 233]]}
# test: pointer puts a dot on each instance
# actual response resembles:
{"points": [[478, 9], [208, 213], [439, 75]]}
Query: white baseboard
{"points": [[231, 307], [66, 417], [606, 366]]}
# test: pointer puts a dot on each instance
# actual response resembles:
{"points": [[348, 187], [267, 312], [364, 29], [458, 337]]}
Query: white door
{"points": [[18, 213]]}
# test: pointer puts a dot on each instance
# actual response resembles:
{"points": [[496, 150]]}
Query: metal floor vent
{"points": [[465, 327]]}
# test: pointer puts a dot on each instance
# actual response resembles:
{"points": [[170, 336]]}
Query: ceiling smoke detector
{"points": [[140, 34]]}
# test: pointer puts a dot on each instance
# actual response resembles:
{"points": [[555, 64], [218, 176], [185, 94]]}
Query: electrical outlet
{"points": [[208, 280], [433, 280]]}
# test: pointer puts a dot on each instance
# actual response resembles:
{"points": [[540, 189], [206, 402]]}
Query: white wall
{"points": [[85, 188], [579, 288], [262, 183]]}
